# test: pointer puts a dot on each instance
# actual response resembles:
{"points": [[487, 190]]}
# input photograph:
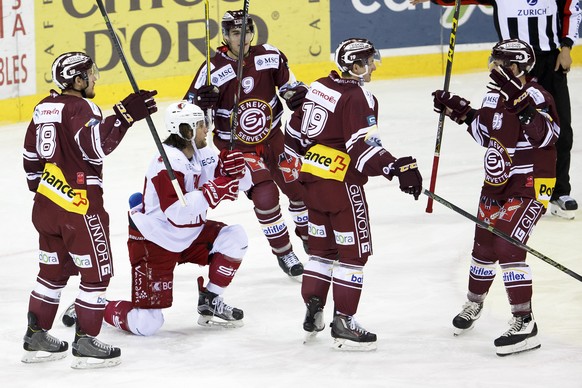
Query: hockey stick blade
{"points": [[501, 234]]}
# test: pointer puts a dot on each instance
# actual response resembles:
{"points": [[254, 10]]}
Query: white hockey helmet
{"points": [[183, 112]]}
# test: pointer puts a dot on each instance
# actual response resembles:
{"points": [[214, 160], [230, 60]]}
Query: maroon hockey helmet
{"points": [[514, 51], [69, 65], [233, 19], [354, 50]]}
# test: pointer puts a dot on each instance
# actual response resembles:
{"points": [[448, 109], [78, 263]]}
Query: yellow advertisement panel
{"points": [[163, 41]]}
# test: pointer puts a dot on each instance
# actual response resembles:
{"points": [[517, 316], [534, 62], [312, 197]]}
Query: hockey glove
{"points": [[207, 96], [293, 94], [454, 106], [135, 107], [510, 87], [220, 189], [289, 166], [231, 163], [408, 175]]}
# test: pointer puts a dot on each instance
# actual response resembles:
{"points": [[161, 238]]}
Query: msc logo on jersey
{"points": [[267, 61], [223, 75], [255, 120]]}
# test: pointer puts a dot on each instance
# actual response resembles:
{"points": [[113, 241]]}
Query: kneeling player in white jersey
{"points": [[163, 233]]}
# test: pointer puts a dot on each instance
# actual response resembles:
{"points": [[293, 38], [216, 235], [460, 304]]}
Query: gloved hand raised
{"points": [[510, 87], [219, 189], [207, 96], [458, 107], [135, 107], [231, 163], [293, 94], [408, 175]]}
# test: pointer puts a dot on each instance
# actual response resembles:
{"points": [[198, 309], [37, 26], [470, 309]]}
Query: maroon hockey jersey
{"points": [[64, 147], [260, 110], [335, 132], [520, 159]]}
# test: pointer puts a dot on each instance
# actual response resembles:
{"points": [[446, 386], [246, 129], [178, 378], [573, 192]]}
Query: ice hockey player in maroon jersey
{"points": [[518, 125], [551, 27], [64, 147], [259, 135], [336, 134], [163, 233]]}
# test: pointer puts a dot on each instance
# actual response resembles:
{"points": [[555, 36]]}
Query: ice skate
{"points": [[521, 336], [313, 322], [291, 265], [349, 335], [215, 313], [90, 353], [564, 207], [69, 317], [40, 346], [465, 319]]}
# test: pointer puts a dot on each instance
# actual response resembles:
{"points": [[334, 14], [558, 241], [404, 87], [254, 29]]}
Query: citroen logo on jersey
{"points": [[254, 121], [497, 163]]}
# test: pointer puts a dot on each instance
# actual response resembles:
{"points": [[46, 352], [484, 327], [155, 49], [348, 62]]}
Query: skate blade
{"points": [[212, 321], [524, 346], [36, 356], [457, 331], [310, 337], [352, 346], [94, 363], [566, 214], [298, 278]]}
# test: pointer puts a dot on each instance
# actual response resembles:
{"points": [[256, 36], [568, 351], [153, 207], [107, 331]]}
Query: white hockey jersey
{"points": [[161, 218]]}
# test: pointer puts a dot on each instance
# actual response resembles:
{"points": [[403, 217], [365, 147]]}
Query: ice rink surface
{"points": [[414, 283]]}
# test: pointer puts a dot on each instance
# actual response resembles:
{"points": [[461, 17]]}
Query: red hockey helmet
{"points": [[69, 65], [233, 19], [514, 51]]}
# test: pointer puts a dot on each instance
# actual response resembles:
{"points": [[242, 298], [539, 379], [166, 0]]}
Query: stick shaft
{"points": [[135, 88], [241, 55], [501, 234], [441, 122]]}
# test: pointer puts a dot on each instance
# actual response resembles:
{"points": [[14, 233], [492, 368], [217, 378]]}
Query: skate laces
{"points": [[515, 326], [289, 259], [355, 326], [45, 338], [470, 310], [220, 306], [97, 344]]}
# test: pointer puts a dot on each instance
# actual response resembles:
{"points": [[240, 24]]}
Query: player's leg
{"points": [[518, 220], [482, 269], [222, 248]]}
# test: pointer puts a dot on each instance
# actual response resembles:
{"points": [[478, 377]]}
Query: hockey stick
{"points": [[208, 80], [441, 123], [239, 71], [501, 234], [207, 20], [136, 90]]}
